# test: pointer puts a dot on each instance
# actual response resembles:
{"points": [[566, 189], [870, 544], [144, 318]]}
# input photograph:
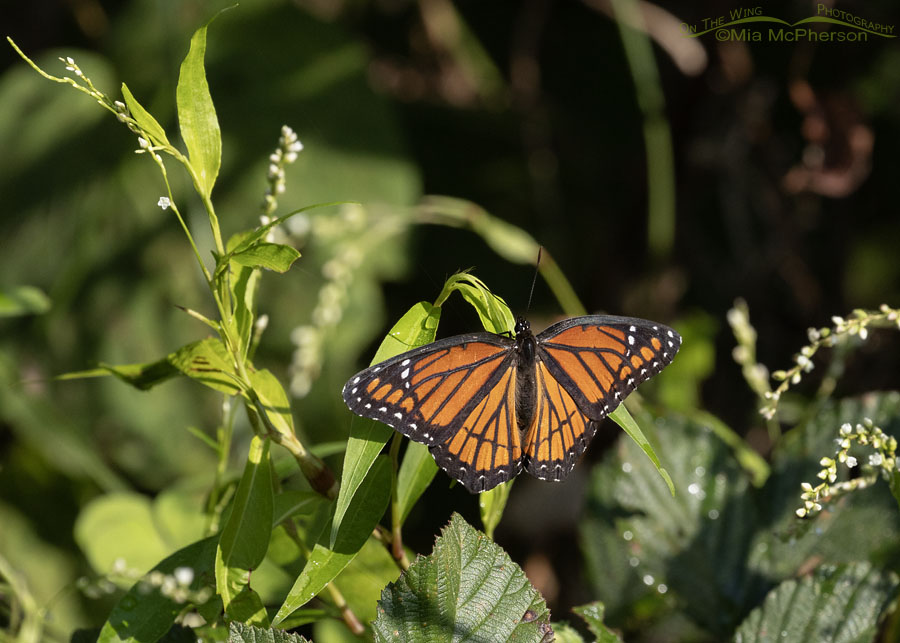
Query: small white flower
{"points": [[851, 461], [863, 332], [846, 428], [184, 576], [164, 202], [143, 143], [876, 459]]}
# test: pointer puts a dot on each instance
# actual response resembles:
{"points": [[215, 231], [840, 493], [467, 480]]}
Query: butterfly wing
{"points": [[559, 432], [457, 396], [600, 359]]}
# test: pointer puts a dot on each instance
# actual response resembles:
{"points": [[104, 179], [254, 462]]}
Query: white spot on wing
{"points": [[405, 373]]}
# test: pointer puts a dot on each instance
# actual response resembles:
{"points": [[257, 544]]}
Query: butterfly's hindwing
{"points": [[599, 360], [485, 449], [559, 431]]}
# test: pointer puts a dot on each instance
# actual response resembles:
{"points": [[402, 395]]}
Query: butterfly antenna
{"points": [[537, 265]]}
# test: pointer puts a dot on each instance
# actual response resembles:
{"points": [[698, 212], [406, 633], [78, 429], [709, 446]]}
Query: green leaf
{"points": [[274, 400], [623, 418], [416, 472], [367, 437], [639, 537], [144, 119], [241, 633], [467, 585], [271, 256], [145, 614], [834, 604], [120, 526], [295, 502], [324, 563], [242, 242], [247, 607], [23, 300], [491, 504], [207, 361], [245, 535], [141, 376], [197, 116], [493, 312], [592, 613]]}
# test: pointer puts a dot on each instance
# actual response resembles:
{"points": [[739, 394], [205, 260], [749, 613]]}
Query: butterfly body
{"points": [[488, 405]]}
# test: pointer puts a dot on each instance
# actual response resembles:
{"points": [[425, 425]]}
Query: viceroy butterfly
{"points": [[488, 406]]}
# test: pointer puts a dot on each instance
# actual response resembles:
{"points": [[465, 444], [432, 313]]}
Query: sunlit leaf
{"points": [[271, 256], [197, 116], [144, 119], [468, 584], [324, 562], [23, 300], [245, 534]]}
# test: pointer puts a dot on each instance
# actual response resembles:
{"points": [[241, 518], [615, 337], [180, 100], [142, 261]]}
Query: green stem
{"points": [[397, 550]]}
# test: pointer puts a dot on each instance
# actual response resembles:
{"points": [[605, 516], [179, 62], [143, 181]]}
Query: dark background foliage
{"points": [[785, 170]]}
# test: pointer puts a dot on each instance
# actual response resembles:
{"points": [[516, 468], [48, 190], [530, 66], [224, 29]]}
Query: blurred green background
{"points": [[784, 170]]}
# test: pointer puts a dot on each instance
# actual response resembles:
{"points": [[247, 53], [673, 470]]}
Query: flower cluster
{"points": [[757, 375], [883, 462], [856, 325], [286, 153], [343, 233], [175, 586]]}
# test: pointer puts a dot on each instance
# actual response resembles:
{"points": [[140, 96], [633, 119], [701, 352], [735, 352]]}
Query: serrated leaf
{"points": [[144, 613], [696, 543], [241, 633], [834, 605], [367, 437], [325, 563], [207, 361], [246, 532], [468, 585], [197, 116], [271, 256], [592, 613], [144, 119], [23, 300]]}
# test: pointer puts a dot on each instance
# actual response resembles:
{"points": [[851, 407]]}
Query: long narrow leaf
{"points": [[197, 115], [367, 437], [325, 563]]}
